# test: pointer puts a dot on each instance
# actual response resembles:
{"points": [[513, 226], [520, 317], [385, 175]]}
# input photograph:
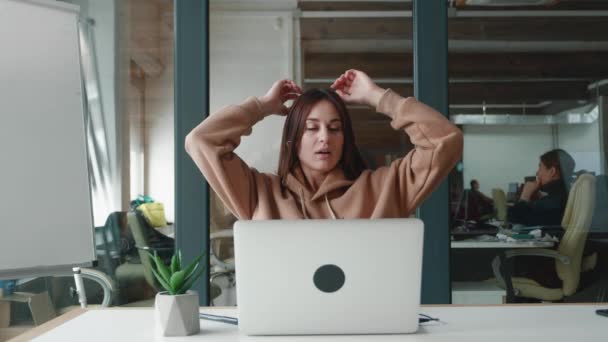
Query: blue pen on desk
{"points": [[222, 319]]}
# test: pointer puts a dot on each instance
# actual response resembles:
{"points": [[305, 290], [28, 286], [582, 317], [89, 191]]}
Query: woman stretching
{"points": [[321, 173]]}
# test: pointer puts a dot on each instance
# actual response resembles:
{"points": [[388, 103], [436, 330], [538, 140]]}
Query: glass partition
{"points": [[525, 88], [313, 44], [127, 63]]}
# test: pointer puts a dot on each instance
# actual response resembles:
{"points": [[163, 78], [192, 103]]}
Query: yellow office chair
{"points": [[500, 204], [569, 254]]}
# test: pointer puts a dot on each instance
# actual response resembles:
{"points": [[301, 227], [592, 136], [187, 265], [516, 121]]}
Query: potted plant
{"points": [[176, 309]]}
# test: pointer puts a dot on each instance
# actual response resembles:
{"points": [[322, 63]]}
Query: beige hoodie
{"points": [[390, 191]]}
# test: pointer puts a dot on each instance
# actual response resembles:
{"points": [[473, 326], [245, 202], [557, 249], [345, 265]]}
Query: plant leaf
{"points": [[189, 282], [162, 268], [193, 265], [153, 265], [177, 279], [179, 259], [162, 282], [174, 264]]}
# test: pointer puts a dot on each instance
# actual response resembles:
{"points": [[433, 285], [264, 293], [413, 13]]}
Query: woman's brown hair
{"points": [[351, 161], [561, 161]]}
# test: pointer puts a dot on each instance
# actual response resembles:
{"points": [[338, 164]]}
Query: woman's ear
{"points": [[554, 172]]}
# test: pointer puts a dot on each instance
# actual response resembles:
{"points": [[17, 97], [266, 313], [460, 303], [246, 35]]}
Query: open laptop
{"points": [[300, 277]]}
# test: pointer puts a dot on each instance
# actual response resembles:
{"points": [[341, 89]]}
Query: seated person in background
{"points": [[484, 203], [474, 207], [551, 188]]}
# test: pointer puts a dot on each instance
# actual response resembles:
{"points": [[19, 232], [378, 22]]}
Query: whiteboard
{"points": [[45, 203]]}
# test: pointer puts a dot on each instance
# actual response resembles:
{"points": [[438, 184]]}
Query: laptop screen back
{"points": [[328, 276]]}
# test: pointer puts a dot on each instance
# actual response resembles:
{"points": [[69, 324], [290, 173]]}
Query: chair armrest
{"points": [[222, 234], [213, 259], [548, 253], [153, 249]]}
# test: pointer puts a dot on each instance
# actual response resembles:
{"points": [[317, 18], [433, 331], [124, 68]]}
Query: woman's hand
{"points": [[355, 87], [273, 102], [530, 188]]}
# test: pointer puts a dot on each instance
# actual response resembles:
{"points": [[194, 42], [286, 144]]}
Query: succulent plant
{"points": [[172, 277]]}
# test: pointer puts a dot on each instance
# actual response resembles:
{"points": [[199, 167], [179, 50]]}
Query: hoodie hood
{"points": [[296, 183]]}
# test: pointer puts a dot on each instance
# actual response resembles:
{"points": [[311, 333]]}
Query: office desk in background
{"points": [[501, 244], [458, 323], [502, 247]]}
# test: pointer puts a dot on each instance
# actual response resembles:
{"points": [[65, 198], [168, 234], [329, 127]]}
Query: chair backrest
{"points": [[109, 242], [221, 222], [500, 204], [576, 222], [600, 214], [140, 235]]}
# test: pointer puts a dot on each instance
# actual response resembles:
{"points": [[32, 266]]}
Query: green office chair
{"points": [[142, 234], [107, 242], [131, 276], [149, 241], [568, 257]]}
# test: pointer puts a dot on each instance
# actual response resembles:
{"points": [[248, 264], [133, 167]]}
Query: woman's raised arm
{"points": [[437, 142], [211, 146]]}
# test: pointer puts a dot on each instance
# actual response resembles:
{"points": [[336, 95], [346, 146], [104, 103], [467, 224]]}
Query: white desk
{"points": [[513, 323]]}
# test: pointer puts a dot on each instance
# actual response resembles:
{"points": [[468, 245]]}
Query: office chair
{"points": [[500, 204], [147, 240], [568, 257], [221, 253], [107, 244], [115, 249]]}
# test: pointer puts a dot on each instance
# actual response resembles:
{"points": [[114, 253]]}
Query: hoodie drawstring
{"points": [[302, 203], [331, 210]]}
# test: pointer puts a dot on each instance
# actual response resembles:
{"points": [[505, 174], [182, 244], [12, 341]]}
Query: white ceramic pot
{"points": [[177, 315]]}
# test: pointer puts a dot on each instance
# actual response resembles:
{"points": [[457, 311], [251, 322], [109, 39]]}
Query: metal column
{"points": [[431, 87], [191, 106]]}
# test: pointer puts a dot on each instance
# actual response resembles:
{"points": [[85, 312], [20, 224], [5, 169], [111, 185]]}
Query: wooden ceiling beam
{"points": [[407, 6], [504, 93], [502, 29], [354, 6], [590, 65]]}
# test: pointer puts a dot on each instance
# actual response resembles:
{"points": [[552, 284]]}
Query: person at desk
{"points": [[474, 208], [551, 188], [484, 203], [321, 173]]}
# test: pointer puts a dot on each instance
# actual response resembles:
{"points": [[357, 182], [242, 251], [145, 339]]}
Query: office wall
{"points": [[498, 155], [159, 120], [583, 143], [248, 52]]}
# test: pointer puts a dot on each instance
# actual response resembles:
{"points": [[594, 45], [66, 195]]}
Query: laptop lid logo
{"points": [[329, 278]]}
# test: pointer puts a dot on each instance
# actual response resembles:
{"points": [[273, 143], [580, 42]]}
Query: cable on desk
{"points": [[426, 318], [221, 319], [234, 321]]}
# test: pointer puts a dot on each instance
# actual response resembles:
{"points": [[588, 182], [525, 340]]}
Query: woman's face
{"points": [[320, 149], [545, 175]]}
